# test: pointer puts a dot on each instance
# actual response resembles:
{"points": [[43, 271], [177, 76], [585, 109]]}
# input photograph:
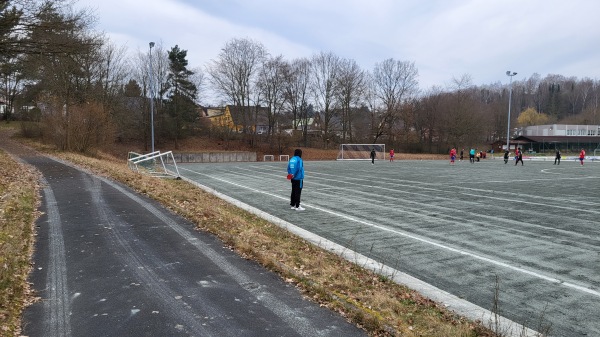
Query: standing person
{"points": [[477, 155], [296, 170], [373, 156], [452, 156], [506, 155], [461, 154], [391, 155], [582, 156], [472, 155], [557, 157], [519, 157]]}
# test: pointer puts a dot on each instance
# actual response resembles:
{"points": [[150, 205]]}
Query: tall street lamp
{"points": [[509, 74], [151, 97]]}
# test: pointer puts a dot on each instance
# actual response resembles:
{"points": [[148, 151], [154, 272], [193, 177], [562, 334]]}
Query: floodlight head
{"points": [[151, 44], [508, 72]]}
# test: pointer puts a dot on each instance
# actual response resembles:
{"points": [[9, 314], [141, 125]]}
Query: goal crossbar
{"points": [[154, 164]]}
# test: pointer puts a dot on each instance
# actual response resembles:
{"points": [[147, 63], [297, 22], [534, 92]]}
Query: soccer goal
{"points": [[154, 164], [284, 157], [361, 151]]}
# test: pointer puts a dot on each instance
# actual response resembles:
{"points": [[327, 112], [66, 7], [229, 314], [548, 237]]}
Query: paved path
{"points": [[109, 262], [536, 227]]}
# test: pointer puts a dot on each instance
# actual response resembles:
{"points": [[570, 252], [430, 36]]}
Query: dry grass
{"points": [[370, 301], [380, 307], [18, 202]]}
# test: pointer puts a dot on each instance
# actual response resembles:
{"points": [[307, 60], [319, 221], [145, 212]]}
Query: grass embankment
{"points": [[370, 301], [18, 202], [381, 307]]}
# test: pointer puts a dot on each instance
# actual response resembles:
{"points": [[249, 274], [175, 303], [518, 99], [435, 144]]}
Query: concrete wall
{"points": [[214, 157]]}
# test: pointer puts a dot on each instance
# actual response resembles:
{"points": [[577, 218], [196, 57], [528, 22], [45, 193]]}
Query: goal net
{"points": [[361, 151], [156, 164]]}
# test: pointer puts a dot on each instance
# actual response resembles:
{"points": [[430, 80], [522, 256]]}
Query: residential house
{"points": [[239, 118]]}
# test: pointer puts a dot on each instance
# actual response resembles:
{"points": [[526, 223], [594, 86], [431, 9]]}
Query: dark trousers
{"points": [[519, 159], [296, 192], [556, 160]]}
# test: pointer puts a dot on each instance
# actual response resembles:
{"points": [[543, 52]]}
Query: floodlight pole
{"points": [[151, 97], [509, 74]]}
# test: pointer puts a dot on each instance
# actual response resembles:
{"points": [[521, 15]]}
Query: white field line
{"points": [[417, 238], [441, 210], [436, 188], [578, 209], [453, 302], [517, 226]]}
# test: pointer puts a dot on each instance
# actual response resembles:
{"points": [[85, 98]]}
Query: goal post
{"points": [[361, 151], [156, 164]]}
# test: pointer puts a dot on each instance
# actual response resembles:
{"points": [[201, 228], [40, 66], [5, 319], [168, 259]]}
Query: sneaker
{"points": [[300, 208], [293, 207]]}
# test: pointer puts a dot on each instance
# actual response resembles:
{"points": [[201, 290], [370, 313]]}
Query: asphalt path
{"points": [[458, 229], [110, 262]]}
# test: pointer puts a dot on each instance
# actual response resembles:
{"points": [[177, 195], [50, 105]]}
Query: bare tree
{"points": [[349, 90], [428, 121], [460, 119], [394, 83], [272, 85], [298, 79], [233, 73], [325, 69]]}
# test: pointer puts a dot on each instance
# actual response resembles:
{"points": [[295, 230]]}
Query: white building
{"points": [[559, 130]]}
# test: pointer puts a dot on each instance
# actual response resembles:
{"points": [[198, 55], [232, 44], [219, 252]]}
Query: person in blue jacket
{"points": [[296, 169]]}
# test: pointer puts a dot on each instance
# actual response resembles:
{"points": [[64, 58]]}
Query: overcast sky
{"points": [[444, 38]]}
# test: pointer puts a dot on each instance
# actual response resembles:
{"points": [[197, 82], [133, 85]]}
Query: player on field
{"points": [[557, 157], [452, 156], [582, 156], [506, 155], [295, 171], [373, 156], [391, 155], [519, 157]]}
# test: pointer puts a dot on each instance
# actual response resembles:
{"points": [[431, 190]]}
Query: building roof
{"points": [[241, 114], [559, 139]]}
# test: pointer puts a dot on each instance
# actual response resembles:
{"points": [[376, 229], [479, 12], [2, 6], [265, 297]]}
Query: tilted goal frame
{"points": [[154, 164]]}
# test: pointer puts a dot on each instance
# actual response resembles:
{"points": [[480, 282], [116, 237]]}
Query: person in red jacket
{"points": [[391, 155], [582, 156], [452, 156]]}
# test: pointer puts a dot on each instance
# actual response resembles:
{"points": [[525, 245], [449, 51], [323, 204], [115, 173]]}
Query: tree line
{"points": [[76, 89]]}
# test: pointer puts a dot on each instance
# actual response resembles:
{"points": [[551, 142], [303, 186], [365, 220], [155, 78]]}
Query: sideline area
{"points": [[456, 228]]}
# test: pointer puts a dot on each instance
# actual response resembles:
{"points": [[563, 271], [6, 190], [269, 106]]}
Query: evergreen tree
{"points": [[182, 94]]}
